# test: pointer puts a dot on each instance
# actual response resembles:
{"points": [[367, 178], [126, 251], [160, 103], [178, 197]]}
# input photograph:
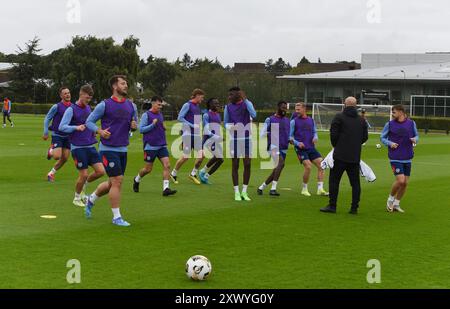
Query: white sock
{"points": [[305, 186], [205, 169], [93, 197], [320, 185], [194, 172], [236, 189], [396, 203], [274, 185], [207, 175], [116, 213], [174, 173], [263, 186], [53, 171], [137, 178], [77, 196], [244, 188], [391, 198], [165, 184]]}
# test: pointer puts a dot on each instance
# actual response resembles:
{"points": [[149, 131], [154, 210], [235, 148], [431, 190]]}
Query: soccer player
{"points": [[117, 118], [297, 111], [212, 139], [277, 145], [82, 144], [60, 148], [303, 136], [6, 110], [400, 135], [155, 145], [190, 117], [238, 115]]}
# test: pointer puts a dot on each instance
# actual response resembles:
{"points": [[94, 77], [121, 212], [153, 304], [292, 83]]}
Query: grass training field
{"points": [[269, 243]]}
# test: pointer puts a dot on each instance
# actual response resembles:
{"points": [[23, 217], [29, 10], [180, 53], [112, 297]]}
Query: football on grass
{"points": [[198, 268]]}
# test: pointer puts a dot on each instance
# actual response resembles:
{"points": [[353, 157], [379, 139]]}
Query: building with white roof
{"points": [[383, 78]]}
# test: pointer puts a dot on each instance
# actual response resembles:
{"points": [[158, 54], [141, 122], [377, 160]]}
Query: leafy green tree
{"points": [[304, 60], [27, 74], [185, 63], [157, 75], [90, 60], [277, 67]]}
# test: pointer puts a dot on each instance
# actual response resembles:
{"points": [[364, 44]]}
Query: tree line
{"points": [[36, 78]]}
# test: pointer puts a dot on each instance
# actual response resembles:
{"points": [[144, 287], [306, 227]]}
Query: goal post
{"points": [[376, 115]]}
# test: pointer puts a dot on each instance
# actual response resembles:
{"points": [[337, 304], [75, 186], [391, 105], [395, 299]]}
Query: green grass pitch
{"points": [[268, 243]]}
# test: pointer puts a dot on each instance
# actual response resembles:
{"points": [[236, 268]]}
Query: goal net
{"points": [[376, 115]]}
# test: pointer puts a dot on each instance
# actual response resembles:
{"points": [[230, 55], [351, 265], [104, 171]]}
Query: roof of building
{"points": [[332, 67], [417, 72], [373, 61], [246, 66]]}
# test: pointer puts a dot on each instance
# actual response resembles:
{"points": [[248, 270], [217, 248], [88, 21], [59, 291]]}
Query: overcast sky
{"points": [[236, 30]]}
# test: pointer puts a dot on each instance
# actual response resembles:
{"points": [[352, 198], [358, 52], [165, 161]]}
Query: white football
{"points": [[198, 268], [378, 146]]}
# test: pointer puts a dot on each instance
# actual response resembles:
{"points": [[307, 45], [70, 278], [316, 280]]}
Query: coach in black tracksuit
{"points": [[348, 132]]}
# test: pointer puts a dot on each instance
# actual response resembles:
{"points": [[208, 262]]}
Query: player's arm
{"points": [[335, 130], [91, 121], [292, 134], [144, 126], [65, 126], [265, 128], [134, 118], [51, 113], [182, 115], [250, 108], [315, 134], [226, 120], [205, 122], [415, 139], [10, 107], [384, 138]]}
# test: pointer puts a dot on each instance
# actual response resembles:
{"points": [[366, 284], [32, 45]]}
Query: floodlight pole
{"points": [[404, 85]]}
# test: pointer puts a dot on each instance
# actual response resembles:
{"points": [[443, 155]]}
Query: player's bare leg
{"points": [[320, 177], [198, 162], [235, 178], [307, 164], [247, 173], [61, 155], [82, 178], [397, 192], [166, 175], [400, 193], [147, 169], [99, 171], [181, 161], [273, 178]]}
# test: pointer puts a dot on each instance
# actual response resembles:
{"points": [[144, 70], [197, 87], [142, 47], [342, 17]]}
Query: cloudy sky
{"points": [[236, 30]]}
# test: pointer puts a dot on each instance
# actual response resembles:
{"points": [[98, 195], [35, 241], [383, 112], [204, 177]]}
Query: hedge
{"points": [[428, 123], [423, 123], [30, 108]]}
